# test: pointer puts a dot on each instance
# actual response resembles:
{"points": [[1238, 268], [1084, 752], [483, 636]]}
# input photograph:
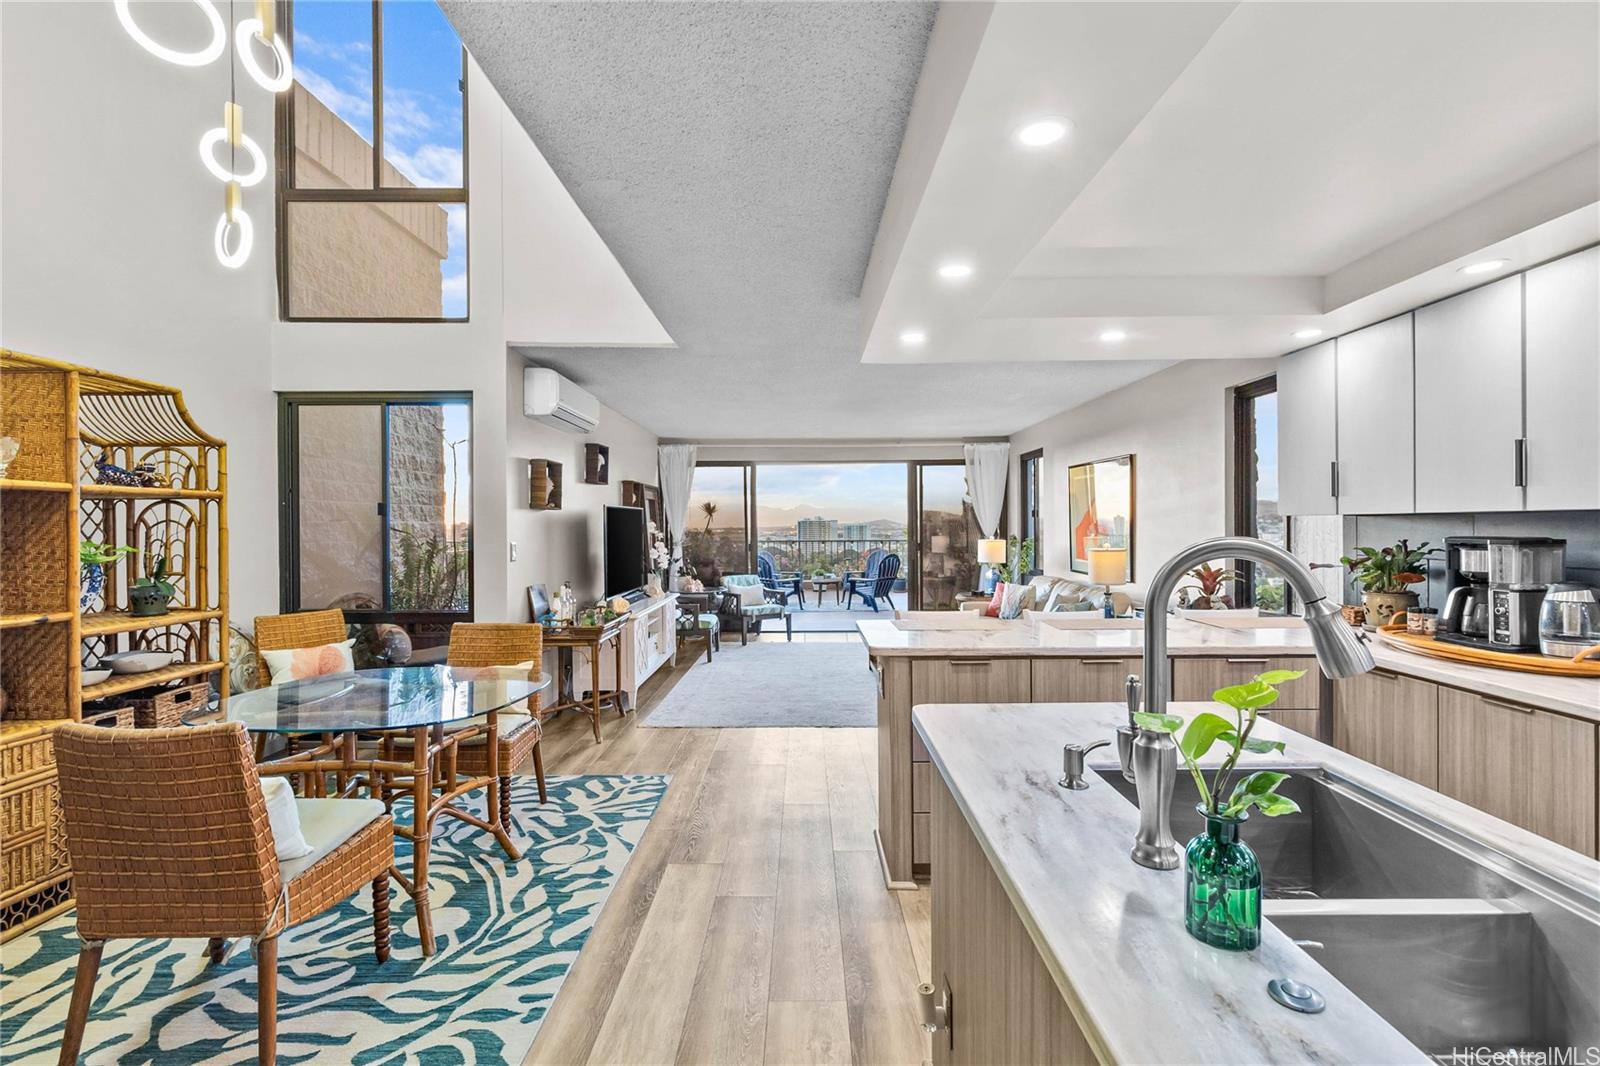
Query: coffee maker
{"points": [[1495, 587]]}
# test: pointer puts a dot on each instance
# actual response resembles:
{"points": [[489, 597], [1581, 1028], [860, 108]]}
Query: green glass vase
{"points": [[1222, 885]]}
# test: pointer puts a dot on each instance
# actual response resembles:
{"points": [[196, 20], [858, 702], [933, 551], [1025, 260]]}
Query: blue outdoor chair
{"points": [[876, 584], [783, 586], [870, 565]]}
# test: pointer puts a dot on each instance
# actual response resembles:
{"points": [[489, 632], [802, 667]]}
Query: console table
{"points": [[590, 639]]}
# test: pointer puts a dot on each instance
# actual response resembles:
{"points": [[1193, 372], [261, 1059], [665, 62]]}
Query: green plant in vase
{"points": [[93, 558], [149, 596], [1222, 879]]}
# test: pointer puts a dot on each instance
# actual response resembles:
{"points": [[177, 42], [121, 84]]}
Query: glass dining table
{"points": [[389, 733]]}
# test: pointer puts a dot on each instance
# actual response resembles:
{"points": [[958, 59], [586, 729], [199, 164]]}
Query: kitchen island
{"points": [[1051, 945], [1401, 717]]}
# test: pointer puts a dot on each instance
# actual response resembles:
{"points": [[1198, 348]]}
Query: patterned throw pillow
{"points": [[297, 664], [1017, 598]]}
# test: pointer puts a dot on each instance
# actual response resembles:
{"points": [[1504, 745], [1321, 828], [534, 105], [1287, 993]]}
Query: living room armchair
{"points": [[783, 585], [747, 600]]}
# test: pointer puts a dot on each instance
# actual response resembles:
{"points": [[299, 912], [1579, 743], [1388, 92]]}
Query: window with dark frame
{"points": [[376, 507], [372, 164], [1030, 488], [1255, 492]]}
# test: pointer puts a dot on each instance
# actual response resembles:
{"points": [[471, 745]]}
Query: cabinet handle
{"points": [[1333, 478], [1102, 662], [1519, 708], [1248, 662], [1519, 457], [969, 662]]}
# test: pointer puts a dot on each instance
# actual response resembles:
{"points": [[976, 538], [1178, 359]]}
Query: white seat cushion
{"points": [[284, 818], [505, 722], [327, 823]]}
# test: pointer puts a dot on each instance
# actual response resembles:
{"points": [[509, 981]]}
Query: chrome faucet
{"points": [[1072, 756], [1155, 763]]}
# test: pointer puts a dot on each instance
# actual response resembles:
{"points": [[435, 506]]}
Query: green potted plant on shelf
{"points": [[1385, 575], [1222, 877], [93, 558], [149, 596]]}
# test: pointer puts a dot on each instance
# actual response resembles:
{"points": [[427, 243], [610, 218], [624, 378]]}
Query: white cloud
{"points": [[453, 294], [405, 116], [353, 54], [431, 165], [347, 105]]}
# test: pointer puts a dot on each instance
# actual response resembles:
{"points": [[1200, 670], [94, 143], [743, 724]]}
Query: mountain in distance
{"points": [[786, 517]]}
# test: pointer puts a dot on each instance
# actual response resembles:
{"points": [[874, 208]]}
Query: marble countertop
{"points": [[1111, 932], [945, 634]]}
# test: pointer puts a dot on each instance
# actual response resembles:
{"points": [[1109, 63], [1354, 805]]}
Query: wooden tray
{"points": [[1395, 635]]}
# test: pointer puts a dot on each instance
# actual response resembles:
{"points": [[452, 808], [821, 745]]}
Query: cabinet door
{"points": [[1469, 400], [1532, 768], [1563, 381], [970, 681], [1374, 417], [1389, 721], [1096, 680], [1197, 678], [1307, 426]]}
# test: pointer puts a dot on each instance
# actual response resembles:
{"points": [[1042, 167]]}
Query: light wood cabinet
{"points": [[1533, 768], [1308, 431], [895, 764], [1197, 678], [970, 680], [1005, 1006], [1563, 379], [1469, 357], [1096, 680], [1389, 721], [1375, 412]]}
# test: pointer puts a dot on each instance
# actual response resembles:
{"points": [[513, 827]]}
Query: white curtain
{"points": [[986, 483], [677, 479]]}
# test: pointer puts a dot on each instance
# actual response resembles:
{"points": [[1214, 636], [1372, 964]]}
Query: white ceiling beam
{"points": [[1141, 296]]}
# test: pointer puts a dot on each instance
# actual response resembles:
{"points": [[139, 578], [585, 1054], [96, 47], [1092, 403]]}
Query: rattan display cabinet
{"points": [[67, 419]]}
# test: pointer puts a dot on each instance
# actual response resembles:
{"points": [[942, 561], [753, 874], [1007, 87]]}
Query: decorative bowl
{"points": [[139, 662], [94, 677]]}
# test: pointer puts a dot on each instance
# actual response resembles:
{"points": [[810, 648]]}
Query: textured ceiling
{"points": [[735, 157]]}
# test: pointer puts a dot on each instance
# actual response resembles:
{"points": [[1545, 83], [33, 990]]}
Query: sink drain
{"points": [[1296, 996]]}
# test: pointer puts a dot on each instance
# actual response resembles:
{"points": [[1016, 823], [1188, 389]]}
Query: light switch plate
{"points": [[513, 551]]}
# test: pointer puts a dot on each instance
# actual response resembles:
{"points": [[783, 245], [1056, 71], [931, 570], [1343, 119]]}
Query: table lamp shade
{"points": [[991, 551], [1108, 566], [939, 544]]}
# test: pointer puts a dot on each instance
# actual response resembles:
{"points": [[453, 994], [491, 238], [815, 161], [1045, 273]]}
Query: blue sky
{"points": [[422, 117]]}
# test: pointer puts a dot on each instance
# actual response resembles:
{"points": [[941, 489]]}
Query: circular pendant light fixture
{"points": [[199, 58], [250, 30], [240, 225], [258, 159]]}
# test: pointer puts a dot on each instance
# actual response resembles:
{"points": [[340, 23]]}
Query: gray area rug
{"points": [[768, 684]]}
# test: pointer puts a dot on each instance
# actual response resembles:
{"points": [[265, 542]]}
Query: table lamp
{"points": [[990, 553], [1108, 566]]}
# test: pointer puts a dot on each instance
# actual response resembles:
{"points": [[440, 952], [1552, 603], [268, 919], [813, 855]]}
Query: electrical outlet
{"points": [[513, 551]]}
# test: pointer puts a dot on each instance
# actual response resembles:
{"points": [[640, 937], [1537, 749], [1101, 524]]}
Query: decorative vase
{"points": [[1222, 886], [146, 601], [91, 579], [1381, 606]]}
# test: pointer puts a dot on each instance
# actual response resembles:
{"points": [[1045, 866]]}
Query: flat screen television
{"points": [[624, 551]]}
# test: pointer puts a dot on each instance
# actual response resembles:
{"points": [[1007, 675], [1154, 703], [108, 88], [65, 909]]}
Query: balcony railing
{"points": [[829, 555]]}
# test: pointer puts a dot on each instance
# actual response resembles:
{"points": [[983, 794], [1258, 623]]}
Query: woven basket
{"points": [[165, 708]]}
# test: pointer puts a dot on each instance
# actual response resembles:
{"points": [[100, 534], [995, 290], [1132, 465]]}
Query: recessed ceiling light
{"points": [[955, 271], [913, 337], [1484, 267], [1306, 334], [1045, 131], [1113, 335]]}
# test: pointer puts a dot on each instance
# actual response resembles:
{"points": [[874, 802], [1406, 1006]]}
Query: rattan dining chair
{"points": [[520, 732], [304, 629], [168, 835]]}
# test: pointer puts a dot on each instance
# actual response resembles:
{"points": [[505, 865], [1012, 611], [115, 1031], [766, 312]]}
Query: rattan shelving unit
{"points": [[66, 417]]}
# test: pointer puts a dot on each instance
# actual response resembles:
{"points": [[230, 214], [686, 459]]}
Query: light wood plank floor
{"points": [[752, 924]]}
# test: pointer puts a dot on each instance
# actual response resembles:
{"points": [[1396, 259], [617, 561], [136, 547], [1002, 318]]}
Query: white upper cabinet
{"points": [[1563, 383], [1306, 427], [1376, 461], [1469, 400]]}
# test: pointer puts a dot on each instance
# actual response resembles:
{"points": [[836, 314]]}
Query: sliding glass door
{"points": [[946, 536], [716, 536]]}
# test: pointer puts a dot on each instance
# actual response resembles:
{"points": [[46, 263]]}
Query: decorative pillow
{"points": [[993, 610], [1017, 599], [296, 664], [284, 818], [751, 595]]}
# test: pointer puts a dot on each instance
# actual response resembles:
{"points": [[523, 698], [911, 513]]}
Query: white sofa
{"points": [[1056, 593]]}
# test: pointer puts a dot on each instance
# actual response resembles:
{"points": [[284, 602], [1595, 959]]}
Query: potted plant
{"points": [[1222, 877], [149, 596], [93, 558], [1385, 574], [1019, 561], [1210, 581]]}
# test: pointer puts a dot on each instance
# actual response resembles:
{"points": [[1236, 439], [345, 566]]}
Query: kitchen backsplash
{"points": [[1580, 529]]}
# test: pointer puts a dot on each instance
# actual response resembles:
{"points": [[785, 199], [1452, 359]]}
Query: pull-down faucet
{"points": [[1154, 755]]}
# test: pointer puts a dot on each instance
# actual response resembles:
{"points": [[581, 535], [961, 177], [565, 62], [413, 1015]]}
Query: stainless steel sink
{"points": [[1456, 945]]}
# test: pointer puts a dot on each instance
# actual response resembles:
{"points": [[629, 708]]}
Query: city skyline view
{"points": [[859, 493]]}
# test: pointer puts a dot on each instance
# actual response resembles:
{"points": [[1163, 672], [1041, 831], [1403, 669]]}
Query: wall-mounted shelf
{"points": [[544, 484]]}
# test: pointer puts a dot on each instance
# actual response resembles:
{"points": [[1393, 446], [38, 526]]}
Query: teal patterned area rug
{"points": [[507, 933]]}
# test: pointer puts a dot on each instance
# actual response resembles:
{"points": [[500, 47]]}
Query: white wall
{"points": [[106, 260], [557, 546], [1177, 424]]}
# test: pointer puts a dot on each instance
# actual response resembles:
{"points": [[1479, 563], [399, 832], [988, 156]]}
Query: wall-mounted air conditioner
{"points": [[550, 398]]}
